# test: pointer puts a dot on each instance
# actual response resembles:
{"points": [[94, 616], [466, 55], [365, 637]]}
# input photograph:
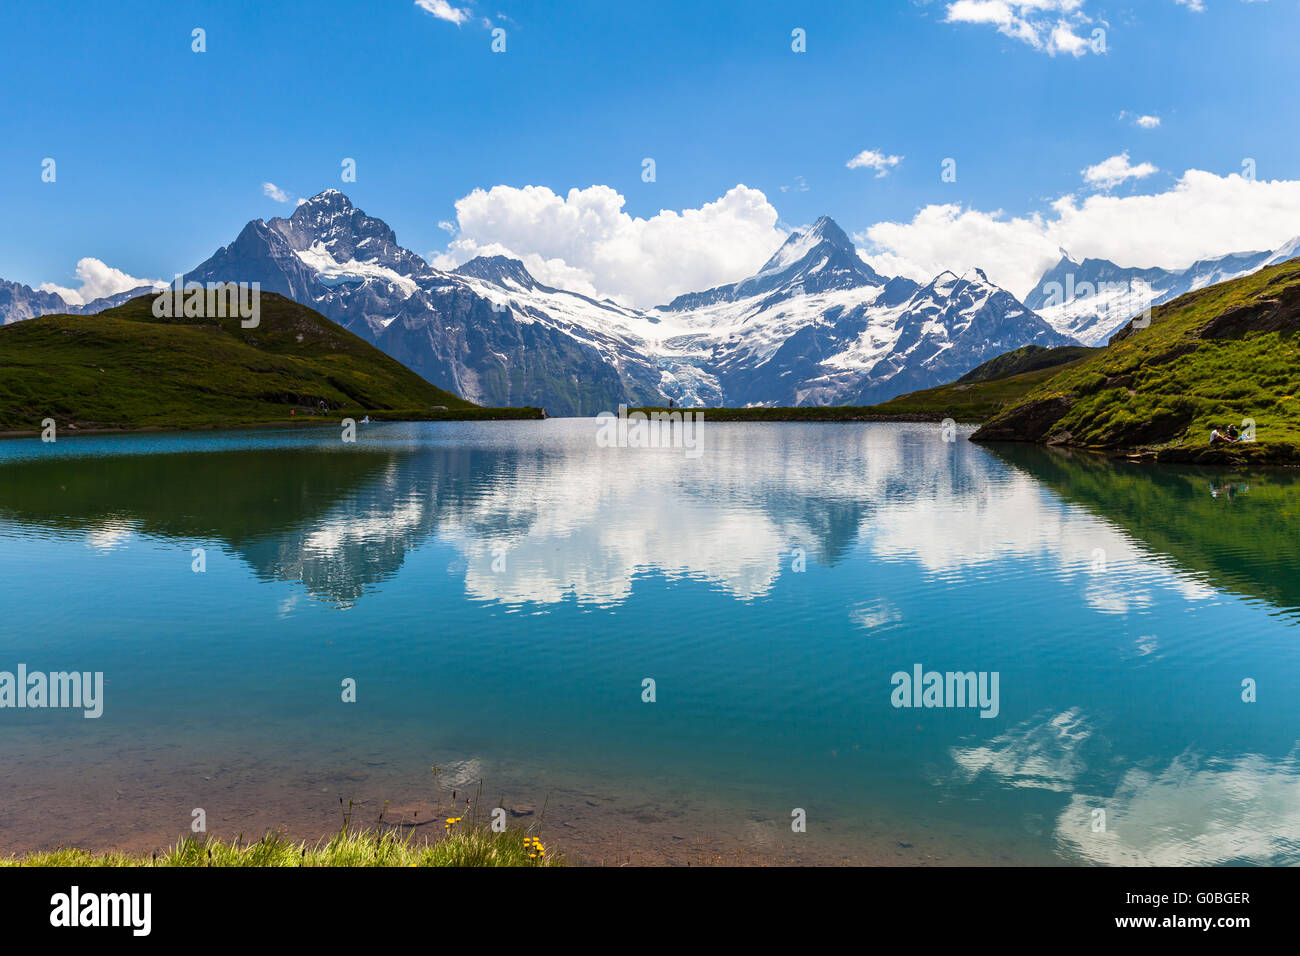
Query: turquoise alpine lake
{"points": [[818, 642]]}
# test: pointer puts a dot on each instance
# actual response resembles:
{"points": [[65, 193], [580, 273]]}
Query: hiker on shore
{"points": [[1224, 436]]}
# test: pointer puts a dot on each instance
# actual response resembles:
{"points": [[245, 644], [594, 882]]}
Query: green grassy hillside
{"points": [[1225, 354], [1027, 358], [125, 368]]}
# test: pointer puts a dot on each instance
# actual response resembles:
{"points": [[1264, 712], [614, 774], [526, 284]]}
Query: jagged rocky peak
{"points": [[328, 199], [897, 291], [824, 235], [329, 219], [331, 212], [971, 282], [819, 260], [18, 302], [942, 284], [498, 269]]}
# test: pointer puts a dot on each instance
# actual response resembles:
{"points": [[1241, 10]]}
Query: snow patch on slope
{"points": [[333, 273]]}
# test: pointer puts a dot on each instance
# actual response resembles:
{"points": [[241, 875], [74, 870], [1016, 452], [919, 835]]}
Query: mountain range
{"points": [[86, 372], [1093, 298], [1222, 355], [816, 325], [18, 302]]}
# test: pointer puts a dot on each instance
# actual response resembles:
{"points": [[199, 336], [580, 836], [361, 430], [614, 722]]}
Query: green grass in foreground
{"points": [[474, 846]]}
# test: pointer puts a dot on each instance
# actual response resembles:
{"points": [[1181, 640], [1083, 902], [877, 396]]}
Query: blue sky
{"points": [[162, 152]]}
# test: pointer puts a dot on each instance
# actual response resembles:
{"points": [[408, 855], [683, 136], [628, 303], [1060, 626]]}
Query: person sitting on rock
{"points": [[1222, 437]]}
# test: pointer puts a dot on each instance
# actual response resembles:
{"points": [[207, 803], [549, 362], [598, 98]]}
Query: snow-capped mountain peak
{"points": [[820, 260], [819, 326], [1092, 298], [816, 325], [328, 224], [798, 245], [1285, 252], [943, 283]]}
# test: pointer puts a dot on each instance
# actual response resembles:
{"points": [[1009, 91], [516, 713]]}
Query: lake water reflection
{"points": [[499, 591]]}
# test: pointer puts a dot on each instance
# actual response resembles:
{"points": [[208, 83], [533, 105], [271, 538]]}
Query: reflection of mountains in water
{"points": [[1240, 532], [575, 520], [265, 506], [342, 520]]}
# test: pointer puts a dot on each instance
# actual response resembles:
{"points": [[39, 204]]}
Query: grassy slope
{"points": [[1027, 358], [124, 368], [969, 401], [1159, 390], [961, 401]]}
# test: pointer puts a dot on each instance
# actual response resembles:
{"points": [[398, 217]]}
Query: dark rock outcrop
{"points": [[1031, 421], [1279, 313]]}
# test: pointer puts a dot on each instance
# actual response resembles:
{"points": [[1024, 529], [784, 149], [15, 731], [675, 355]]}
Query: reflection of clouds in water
{"points": [[874, 615], [948, 528], [337, 532], [594, 523], [1147, 644], [1112, 597], [110, 536], [598, 563], [1005, 517], [587, 523], [1194, 812], [1043, 755], [1194, 590], [577, 520]]}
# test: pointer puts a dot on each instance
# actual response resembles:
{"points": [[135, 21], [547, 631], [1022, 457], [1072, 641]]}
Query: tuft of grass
{"points": [[464, 842], [474, 846]]}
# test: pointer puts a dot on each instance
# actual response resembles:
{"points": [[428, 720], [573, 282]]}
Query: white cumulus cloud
{"points": [[586, 242], [97, 280], [1115, 170], [1202, 215], [444, 11], [275, 192], [1050, 26], [874, 159], [1142, 120]]}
